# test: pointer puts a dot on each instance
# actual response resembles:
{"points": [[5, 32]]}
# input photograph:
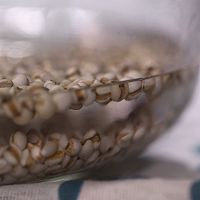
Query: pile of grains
{"points": [[32, 154], [27, 96]]}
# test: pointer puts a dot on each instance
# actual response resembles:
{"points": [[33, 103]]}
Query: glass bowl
{"points": [[87, 83]]}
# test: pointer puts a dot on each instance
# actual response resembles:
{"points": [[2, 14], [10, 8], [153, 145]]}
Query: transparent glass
{"points": [[87, 82]]}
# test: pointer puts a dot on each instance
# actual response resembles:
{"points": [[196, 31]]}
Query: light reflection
{"points": [[77, 23], [21, 26], [85, 24], [29, 21]]}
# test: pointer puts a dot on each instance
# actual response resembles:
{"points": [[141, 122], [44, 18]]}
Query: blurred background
{"points": [[181, 143]]}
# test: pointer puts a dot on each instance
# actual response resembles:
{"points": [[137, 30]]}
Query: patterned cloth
{"points": [[169, 170], [139, 189]]}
